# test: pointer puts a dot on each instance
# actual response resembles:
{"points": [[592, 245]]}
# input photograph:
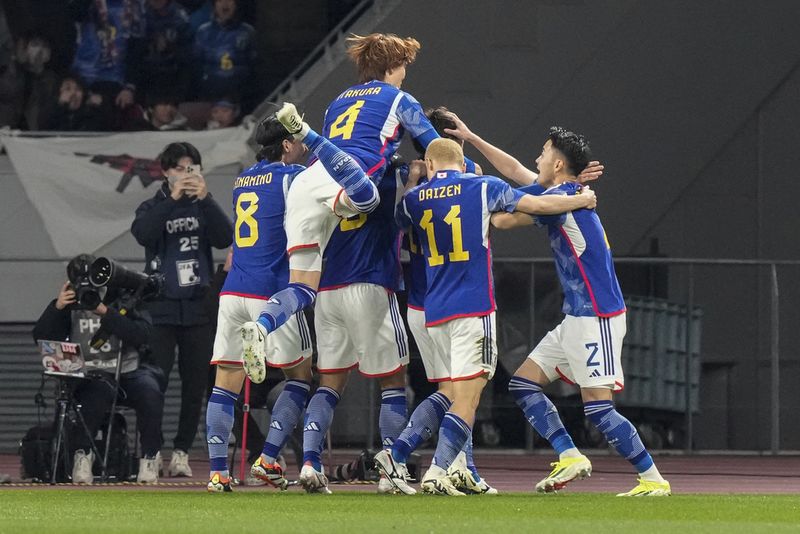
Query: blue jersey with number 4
{"points": [[366, 248], [450, 214], [368, 120], [260, 263]]}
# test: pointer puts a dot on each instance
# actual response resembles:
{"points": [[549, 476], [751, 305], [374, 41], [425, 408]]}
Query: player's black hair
{"points": [[440, 119], [575, 148], [173, 153], [270, 134]]}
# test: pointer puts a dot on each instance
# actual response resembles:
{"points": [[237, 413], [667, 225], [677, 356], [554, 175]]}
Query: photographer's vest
{"points": [[84, 325], [183, 256]]}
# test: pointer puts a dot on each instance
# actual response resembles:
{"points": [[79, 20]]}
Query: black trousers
{"points": [[195, 344], [140, 389]]}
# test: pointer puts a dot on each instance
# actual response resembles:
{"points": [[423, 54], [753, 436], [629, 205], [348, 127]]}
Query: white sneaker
{"points": [[148, 470], [292, 121], [395, 472], [82, 467], [314, 481], [463, 479], [436, 482], [385, 487], [179, 464], [255, 353]]}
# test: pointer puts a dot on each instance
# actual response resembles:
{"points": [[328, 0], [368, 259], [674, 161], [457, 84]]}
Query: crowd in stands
{"points": [[138, 65]]}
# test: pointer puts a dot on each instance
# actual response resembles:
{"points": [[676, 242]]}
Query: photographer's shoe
{"points": [[82, 467], [179, 464], [148, 470], [292, 121], [218, 483], [254, 360]]}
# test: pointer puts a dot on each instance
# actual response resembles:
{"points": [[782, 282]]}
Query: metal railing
{"points": [[690, 264]]}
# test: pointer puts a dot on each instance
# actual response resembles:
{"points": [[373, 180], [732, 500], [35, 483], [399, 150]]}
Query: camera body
{"points": [[91, 278]]}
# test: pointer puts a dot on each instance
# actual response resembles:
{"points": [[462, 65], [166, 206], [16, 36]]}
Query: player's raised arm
{"points": [[508, 165], [506, 221], [553, 204]]}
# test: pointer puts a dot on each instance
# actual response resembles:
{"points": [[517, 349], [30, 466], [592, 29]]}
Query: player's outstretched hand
{"points": [[593, 171], [589, 196], [461, 130]]}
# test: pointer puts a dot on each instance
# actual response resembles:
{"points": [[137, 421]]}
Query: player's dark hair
{"points": [[574, 147], [270, 134], [173, 153], [440, 119]]}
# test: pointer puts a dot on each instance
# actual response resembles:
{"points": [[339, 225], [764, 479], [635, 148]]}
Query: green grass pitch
{"points": [[93, 511]]}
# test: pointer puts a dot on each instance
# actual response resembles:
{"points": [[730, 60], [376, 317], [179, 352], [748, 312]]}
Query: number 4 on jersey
{"points": [[344, 123]]}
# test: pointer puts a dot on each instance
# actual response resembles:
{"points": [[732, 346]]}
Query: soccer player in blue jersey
{"points": [[358, 324], [428, 414], [451, 213], [260, 269], [586, 347]]}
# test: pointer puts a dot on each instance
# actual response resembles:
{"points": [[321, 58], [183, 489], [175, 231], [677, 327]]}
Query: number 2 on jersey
{"points": [[454, 221], [244, 216], [344, 123]]}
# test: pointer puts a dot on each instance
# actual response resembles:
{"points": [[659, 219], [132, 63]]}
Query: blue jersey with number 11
{"points": [[368, 120], [260, 264], [450, 214]]}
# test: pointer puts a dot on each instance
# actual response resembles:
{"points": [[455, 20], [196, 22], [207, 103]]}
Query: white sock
{"points": [[570, 453], [651, 474]]}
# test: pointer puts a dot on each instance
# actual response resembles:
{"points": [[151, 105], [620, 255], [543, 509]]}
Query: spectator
{"points": [[178, 227], [162, 115], [224, 114], [167, 52], [39, 81], [74, 110], [225, 50], [109, 36], [140, 382]]}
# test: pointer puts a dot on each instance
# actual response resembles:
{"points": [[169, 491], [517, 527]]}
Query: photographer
{"points": [[140, 383], [178, 227]]}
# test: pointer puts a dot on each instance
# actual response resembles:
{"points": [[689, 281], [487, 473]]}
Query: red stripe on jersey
{"points": [[331, 288], [245, 295], [489, 273], [470, 377], [377, 165], [411, 306], [460, 316], [580, 268], [390, 138], [298, 247]]}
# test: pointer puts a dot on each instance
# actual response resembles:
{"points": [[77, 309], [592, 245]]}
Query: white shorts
{"points": [[286, 347], [470, 344], [360, 326], [437, 364], [313, 209], [586, 351]]}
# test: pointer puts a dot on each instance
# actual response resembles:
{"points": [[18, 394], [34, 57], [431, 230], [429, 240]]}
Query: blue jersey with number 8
{"points": [[450, 215], [368, 120], [260, 263]]}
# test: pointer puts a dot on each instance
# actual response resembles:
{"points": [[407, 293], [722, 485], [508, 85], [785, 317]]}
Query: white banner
{"points": [[87, 189]]}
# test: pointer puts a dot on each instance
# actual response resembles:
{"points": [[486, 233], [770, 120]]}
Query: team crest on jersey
{"points": [[146, 170]]}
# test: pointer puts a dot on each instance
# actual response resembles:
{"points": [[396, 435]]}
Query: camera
{"points": [[90, 278]]}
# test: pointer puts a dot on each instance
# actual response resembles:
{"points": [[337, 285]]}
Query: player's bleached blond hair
{"points": [[376, 53], [444, 152]]}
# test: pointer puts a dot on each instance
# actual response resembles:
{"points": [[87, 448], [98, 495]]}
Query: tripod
{"points": [[66, 403]]}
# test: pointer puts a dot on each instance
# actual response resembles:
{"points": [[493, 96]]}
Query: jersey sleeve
{"points": [[500, 196], [412, 118], [401, 215]]}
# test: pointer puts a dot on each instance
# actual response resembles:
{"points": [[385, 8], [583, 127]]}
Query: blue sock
{"points": [[392, 418], [424, 421], [345, 171], [219, 422], [540, 413], [319, 415], [285, 415], [619, 433], [285, 303], [470, 459], [453, 435]]}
